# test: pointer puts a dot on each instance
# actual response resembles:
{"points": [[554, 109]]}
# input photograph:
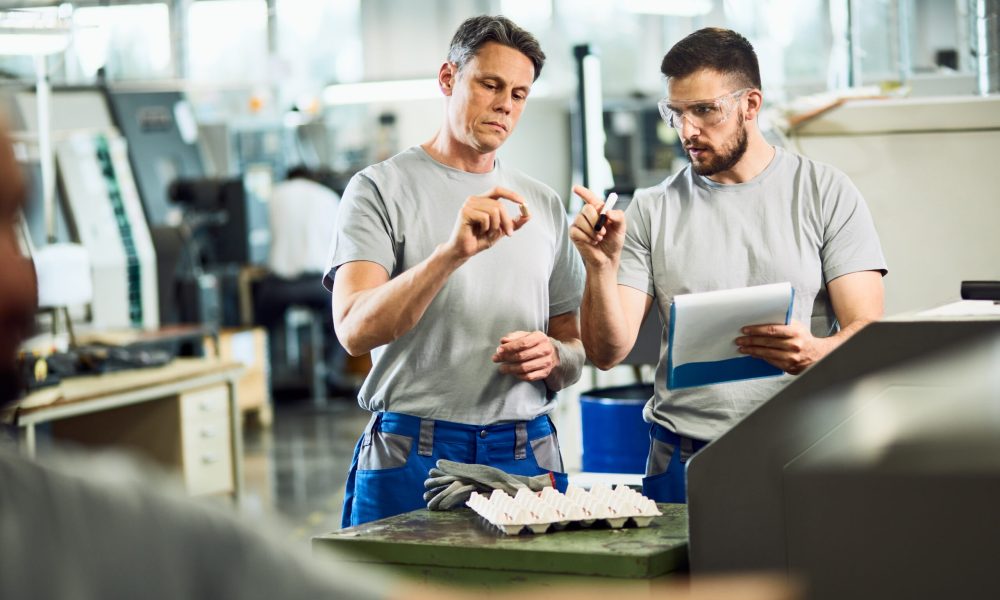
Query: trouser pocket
{"points": [[664, 480], [668, 486], [546, 452], [660, 455], [548, 457], [382, 450], [666, 464], [388, 492], [387, 478]]}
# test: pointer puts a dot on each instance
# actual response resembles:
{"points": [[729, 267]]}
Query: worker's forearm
{"points": [[377, 316], [605, 328], [846, 331]]}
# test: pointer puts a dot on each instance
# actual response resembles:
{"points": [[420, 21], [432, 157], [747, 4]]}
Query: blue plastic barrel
{"points": [[615, 438]]}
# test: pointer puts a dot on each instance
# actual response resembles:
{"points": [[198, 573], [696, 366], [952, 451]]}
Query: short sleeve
{"points": [[850, 241], [567, 279], [636, 267], [363, 231]]}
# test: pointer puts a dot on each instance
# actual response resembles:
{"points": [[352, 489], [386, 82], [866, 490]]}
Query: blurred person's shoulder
{"points": [[70, 474], [87, 525]]}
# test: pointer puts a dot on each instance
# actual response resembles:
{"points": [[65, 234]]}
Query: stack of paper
{"points": [[704, 327]]}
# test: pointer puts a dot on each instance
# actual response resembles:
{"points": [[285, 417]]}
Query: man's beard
{"points": [[729, 155]]}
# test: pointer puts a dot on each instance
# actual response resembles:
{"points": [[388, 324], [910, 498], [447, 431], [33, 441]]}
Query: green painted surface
{"points": [[487, 580], [461, 540]]}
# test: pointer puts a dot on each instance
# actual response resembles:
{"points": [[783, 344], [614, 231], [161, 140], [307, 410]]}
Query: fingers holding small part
{"points": [[484, 219], [499, 193]]}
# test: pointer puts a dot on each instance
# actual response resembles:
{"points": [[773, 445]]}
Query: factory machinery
{"points": [[875, 474], [165, 242]]}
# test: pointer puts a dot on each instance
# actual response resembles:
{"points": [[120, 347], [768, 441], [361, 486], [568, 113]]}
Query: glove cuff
{"points": [[540, 482], [571, 359]]}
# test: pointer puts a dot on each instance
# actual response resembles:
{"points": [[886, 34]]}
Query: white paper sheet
{"points": [[964, 308], [707, 324]]}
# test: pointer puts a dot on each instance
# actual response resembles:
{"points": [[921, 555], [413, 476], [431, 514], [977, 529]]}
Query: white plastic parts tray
{"points": [[551, 510]]}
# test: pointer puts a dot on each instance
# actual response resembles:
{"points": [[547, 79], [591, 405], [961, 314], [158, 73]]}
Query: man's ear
{"points": [[446, 77], [755, 101]]}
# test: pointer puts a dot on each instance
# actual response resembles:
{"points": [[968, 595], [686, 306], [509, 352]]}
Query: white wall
{"points": [[410, 39], [927, 168]]}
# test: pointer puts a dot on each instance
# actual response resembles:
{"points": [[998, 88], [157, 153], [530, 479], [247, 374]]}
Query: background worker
{"points": [[302, 213]]}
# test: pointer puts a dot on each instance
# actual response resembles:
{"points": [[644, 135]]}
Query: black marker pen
{"points": [[603, 217]]}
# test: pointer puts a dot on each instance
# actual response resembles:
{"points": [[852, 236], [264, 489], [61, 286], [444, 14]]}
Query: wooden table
{"points": [[458, 548], [79, 396]]}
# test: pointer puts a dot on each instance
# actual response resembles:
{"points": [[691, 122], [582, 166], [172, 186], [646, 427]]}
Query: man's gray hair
{"points": [[474, 32]]}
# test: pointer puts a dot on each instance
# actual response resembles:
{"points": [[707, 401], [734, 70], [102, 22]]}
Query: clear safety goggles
{"points": [[700, 113]]}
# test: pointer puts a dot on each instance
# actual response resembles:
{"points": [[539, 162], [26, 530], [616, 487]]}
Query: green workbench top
{"points": [[459, 539]]}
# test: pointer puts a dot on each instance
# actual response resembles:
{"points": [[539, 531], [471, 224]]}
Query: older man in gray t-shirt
{"points": [[743, 213], [457, 273], [395, 214]]}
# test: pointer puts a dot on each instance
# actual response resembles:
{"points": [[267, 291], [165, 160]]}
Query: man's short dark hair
{"points": [[475, 32], [716, 49]]}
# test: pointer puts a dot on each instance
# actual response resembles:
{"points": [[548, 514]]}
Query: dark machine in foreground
{"points": [[876, 474]]}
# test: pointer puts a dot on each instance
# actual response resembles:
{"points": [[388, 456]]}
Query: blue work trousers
{"points": [[666, 466], [393, 456]]}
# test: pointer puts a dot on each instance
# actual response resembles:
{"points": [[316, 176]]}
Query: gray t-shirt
{"points": [[395, 213], [797, 221]]}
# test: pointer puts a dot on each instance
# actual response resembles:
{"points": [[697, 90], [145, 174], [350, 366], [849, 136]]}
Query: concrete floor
{"points": [[296, 469]]}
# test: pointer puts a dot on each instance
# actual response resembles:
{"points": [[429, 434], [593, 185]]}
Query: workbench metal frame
{"points": [[28, 419]]}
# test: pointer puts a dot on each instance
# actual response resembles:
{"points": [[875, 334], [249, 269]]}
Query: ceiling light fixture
{"points": [[381, 91], [673, 8]]}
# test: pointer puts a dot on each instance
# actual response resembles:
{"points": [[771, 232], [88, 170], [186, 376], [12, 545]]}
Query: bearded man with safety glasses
{"points": [[742, 213]]}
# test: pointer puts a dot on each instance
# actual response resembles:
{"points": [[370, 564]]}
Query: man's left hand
{"points": [[792, 348], [529, 356]]}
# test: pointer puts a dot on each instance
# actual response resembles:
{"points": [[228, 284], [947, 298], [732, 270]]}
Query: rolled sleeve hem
{"points": [[332, 271], [644, 285], [569, 306], [832, 273]]}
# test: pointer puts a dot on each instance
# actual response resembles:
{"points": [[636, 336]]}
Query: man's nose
{"points": [[688, 128], [504, 103]]}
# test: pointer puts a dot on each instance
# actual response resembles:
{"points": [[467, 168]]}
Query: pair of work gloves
{"points": [[450, 483]]}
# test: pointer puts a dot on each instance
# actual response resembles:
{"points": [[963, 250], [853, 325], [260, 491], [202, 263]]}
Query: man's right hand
{"points": [[598, 248], [483, 220]]}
